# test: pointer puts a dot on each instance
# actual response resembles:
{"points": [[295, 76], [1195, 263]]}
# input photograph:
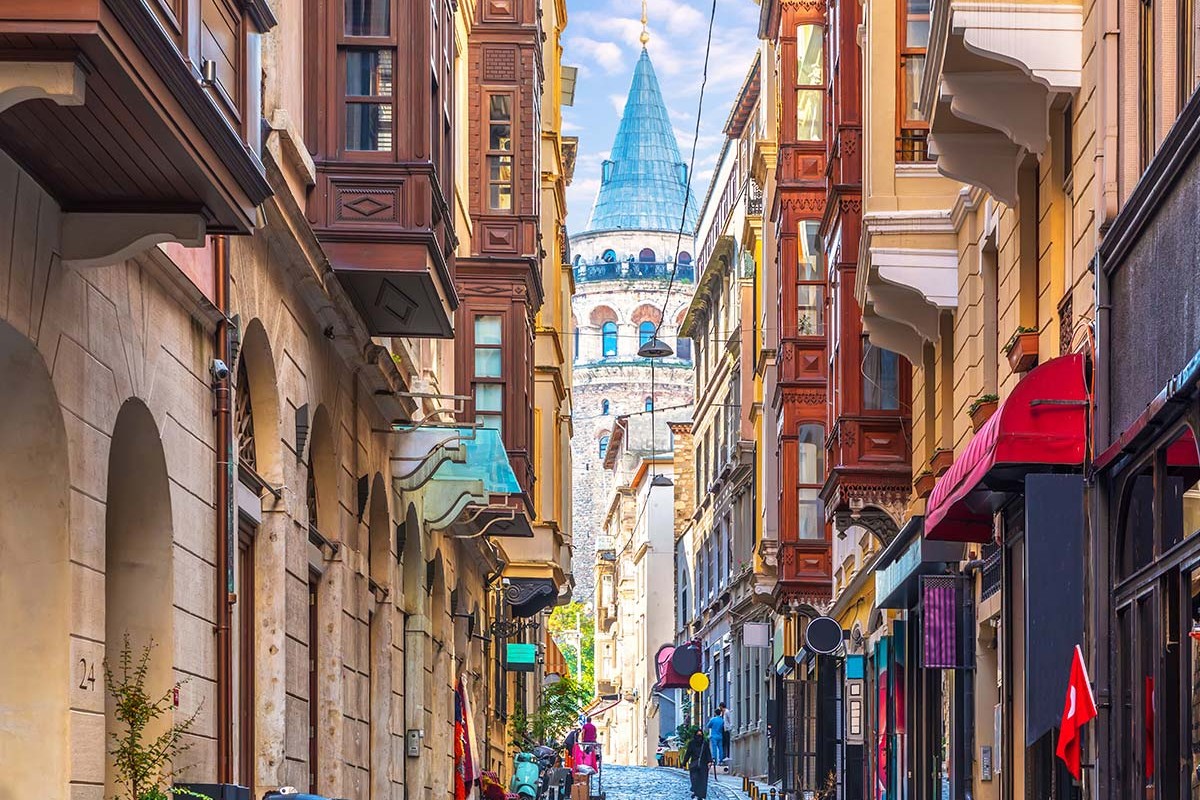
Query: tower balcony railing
{"points": [[634, 271]]}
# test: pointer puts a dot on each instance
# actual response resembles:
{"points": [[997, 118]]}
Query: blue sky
{"points": [[602, 40]]}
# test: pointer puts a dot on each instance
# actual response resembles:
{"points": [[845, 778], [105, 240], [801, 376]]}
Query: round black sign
{"points": [[686, 660], [823, 635]]}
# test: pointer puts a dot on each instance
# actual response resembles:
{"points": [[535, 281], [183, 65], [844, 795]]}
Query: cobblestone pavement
{"points": [[658, 783]]}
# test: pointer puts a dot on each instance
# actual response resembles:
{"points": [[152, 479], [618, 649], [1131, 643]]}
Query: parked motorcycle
{"points": [[527, 775]]}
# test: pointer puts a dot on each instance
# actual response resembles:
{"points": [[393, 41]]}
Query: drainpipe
{"points": [[222, 390]]}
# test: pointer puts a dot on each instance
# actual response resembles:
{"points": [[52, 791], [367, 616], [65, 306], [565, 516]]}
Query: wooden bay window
{"points": [[488, 372], [810, 83], [912, 127]]}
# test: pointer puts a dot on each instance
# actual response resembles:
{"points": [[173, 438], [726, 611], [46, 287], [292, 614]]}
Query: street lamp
{"points": [[655, 348]]}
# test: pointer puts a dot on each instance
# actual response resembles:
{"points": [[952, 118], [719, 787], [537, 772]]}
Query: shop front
{"points": [[916, 658], [1015, 496]]}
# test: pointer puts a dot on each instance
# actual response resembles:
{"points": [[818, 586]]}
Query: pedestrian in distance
{"points": [[716, 734], [697, 759], [728, 728]]}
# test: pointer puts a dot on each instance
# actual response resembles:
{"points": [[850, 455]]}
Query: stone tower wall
{"points": [[623, 380]]}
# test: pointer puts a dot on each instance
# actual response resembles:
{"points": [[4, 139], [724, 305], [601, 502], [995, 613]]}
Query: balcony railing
{"points": [[912, 146], [991, 573], [634, 271]]}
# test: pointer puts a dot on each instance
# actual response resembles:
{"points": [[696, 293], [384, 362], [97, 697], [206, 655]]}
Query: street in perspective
{"points": [[600, 400]]}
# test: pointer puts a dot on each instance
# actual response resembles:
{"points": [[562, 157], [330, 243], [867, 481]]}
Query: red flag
{"points": [[1079, 709]]}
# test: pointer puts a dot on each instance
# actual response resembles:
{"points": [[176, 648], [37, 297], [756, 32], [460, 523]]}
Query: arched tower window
{"points": [[609, 257], [604, 407], [685, 257], [603, 446], [645, 332], [649, 403], [647, 255], [608, 336]]}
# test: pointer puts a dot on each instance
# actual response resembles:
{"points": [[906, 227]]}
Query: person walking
{"points": [[723, 710], [716, 734], [697, 759]]}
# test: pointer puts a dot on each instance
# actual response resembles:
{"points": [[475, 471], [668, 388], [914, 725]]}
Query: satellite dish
{"points": [[823, 635]]}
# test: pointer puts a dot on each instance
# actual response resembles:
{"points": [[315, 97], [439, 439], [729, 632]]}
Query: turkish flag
{"points": [[1079, 709]]}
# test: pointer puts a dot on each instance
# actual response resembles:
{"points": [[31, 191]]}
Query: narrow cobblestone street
{"points": [[662, 783]]}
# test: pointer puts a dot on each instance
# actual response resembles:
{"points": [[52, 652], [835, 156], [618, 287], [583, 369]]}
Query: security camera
{"points": [[219, 369]]}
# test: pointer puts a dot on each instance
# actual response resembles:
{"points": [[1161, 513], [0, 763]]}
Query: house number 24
{"points": [[87, 675]]}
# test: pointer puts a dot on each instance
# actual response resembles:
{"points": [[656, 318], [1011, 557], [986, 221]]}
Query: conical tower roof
{"points": [[644, 181]]}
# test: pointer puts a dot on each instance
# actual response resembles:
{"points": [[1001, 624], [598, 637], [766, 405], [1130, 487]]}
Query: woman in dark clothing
{"points": [[698, 758]]}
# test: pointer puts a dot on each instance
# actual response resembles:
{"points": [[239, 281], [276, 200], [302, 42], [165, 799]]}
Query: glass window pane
{"points": [[810, 300], [914, 68], [812, 515], [500, 107], [500, 168], [810, 251], [500, 137], [810, 114], [810, 61], [487, 362], [916, 31], [811, 455], [369, 126], [881, 379], [491, 422], [489, 397], [609, 338], [500, 197], [368, 73], [487, 329], [368, 17], [1181, 506], [645, 332]]}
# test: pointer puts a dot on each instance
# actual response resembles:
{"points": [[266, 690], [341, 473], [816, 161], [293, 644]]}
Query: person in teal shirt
{"points": [[716, 736]]}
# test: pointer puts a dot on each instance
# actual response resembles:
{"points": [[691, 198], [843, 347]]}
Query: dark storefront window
{"points": [[1157, 676]]}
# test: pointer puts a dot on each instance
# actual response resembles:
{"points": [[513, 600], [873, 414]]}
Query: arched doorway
{"points": [[35, 579], [138, 557]]}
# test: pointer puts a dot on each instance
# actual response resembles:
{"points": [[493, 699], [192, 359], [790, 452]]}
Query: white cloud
{"points": [[605, 54]]}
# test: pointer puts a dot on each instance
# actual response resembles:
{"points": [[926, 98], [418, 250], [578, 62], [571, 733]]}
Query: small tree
{"points": [[143, 765], [557, 710]]}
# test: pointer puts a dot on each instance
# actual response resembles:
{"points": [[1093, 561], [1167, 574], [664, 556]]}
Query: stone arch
{"points": [[647, 255], [35, 578], [138, 556], [380, 568], [323, 475], [646, 312], [601, 315], [413, 562], [256, 363]]}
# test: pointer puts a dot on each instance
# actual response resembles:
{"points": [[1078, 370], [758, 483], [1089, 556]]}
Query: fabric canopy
{"points": [[1041, 424]]}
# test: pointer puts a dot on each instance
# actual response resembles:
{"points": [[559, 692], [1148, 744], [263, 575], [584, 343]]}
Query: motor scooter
{"points": [[526, 777]]}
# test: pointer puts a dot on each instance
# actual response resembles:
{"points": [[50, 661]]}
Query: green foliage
{"points": [[686, 732], [557, 711], [574, 631], [982, 400], [143, 764]]}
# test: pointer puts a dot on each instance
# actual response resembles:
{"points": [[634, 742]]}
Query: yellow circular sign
{"points": [[698, 681]]}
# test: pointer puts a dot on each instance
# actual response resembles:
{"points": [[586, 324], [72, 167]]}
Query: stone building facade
{"points": [[633, 280], [229, 311]]}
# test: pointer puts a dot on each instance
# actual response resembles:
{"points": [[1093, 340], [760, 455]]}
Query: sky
{"points": [[601, 39]]}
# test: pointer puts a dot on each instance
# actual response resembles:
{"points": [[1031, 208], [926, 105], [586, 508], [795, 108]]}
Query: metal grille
{"points": [[991, 573], [799, 736], [912, 145], [311, 493], [244, 419]]}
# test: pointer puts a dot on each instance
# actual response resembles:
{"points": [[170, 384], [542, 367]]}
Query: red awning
{"points": [[1043, 423]]}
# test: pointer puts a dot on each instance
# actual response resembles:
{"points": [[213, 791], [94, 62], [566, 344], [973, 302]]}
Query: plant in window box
{"points": [[1022, 349], [924, 483], [982, 409]]}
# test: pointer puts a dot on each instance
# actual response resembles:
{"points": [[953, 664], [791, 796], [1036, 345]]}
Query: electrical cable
{"points": [[687, 193]]}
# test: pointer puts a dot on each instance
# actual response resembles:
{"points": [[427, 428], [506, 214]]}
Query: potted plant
{"points": [[983, 408], [923, 484], [1022, 349], [143, 763]]}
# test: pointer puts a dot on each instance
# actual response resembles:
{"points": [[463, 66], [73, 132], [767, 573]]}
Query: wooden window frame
{"points": [[801, 486], [343, 44], [819, 282], [915, 130], [490, 153], [489, 380], [821, 88]]}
